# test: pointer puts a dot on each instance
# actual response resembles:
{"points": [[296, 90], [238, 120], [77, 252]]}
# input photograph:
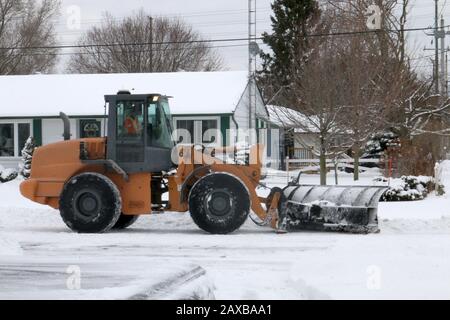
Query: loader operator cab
{"points": [[140, 132]]}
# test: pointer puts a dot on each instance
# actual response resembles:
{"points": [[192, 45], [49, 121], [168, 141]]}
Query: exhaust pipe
{"points": [[66, 122]]}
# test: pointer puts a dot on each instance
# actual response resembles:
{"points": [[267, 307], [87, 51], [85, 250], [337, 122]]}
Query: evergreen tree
{"points": [[27, 156], [292, 21]]}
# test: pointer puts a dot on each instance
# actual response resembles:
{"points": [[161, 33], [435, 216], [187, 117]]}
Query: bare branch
{"points": [[162, 45]]}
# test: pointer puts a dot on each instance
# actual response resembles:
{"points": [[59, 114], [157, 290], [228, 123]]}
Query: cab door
{"points": [[126, 132], [130, 132]]}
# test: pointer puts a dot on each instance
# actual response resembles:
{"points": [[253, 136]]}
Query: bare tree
{"points": [[321, 101], [141, 43], [339, 90], [383, 92], [26, 30], [350, 86], [368, 65]]}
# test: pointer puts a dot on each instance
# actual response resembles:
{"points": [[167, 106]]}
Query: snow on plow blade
{"points": [[334, 208]]}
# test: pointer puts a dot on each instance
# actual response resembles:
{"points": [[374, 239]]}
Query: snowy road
{"points": [[408, 259]]}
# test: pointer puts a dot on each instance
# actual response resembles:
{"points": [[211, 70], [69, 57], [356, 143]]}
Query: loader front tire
{"points": [[90, 203], [219, 203]]}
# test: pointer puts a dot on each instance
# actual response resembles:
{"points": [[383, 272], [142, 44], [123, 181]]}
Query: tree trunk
{"points": [[336, 182], [323, 169], [323, 163], [356, 166]]}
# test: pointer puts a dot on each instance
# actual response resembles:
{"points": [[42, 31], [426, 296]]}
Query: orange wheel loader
{"points": [[103, 183]]}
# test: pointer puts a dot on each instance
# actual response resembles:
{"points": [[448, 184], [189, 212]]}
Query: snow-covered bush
{"points": [[7, 175], [408, 188], [380, 142], [27, 156]]}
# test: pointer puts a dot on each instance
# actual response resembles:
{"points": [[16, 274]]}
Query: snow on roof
{"points": [[83, 94], [288, 118]]}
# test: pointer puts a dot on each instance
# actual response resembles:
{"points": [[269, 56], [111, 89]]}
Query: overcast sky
{"points": [[218, 19]]}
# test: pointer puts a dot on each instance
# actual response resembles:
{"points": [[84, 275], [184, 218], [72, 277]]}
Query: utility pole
{"points": [[440, 75], [436, 43], [151, 44], [440, 66], [443, 64], [446, 73], [253, 51]]}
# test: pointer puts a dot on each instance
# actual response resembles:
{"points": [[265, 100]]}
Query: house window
{"points": [[209, 131], [13, 137], [7, 140], [197, 131], [185, 131]]}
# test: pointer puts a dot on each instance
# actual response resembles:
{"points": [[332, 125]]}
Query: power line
{"points": [[170, 15], [133, 50], [125, 44], [181, 16], [203, 24], [443, 8], [349, 33]]}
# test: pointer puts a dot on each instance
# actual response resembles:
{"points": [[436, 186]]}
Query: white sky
{"points": [[218, 19]]}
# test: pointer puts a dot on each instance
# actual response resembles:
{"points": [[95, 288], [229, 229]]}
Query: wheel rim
{"points": [[219, 202], [87, 205]]}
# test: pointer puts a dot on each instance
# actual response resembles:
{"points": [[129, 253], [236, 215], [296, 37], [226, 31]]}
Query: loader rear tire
{"points": [[125, 221], [219, 203], [90, 203]]}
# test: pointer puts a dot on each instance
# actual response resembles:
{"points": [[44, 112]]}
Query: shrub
{"points": [[7, 175], [27, 157], [408, 188]]}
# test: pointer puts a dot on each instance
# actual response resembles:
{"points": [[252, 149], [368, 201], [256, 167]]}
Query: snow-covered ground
{"points": [[167, 256]]}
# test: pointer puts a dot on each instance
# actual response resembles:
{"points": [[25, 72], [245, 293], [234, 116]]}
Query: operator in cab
{"points": [[132, 124]]}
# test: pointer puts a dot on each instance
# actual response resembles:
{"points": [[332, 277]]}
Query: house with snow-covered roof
{"points": [[201, 101], [301, 134]]}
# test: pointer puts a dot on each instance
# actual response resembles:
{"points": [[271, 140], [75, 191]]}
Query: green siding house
{"points": [[205, 104]]}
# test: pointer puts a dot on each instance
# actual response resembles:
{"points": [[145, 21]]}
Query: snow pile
{"points": [[442, 176], [11, 199], [7, 175], [408, 188]]}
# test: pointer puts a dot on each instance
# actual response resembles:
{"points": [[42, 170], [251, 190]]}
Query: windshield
{"points": [[159, 130], [165, 105]]}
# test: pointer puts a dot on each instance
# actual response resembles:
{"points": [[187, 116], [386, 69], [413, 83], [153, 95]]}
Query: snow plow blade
{"points": [[334, 208]]}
